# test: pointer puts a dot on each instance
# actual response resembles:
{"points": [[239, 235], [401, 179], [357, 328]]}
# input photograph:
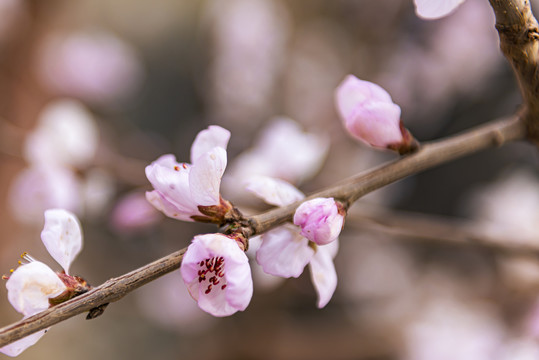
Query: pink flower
{"points": [[190, 192], [133, 213], [33, 286], [285, 251], [370, 115], [434, 9], [217, 274], [94, 66], [320, 219]]}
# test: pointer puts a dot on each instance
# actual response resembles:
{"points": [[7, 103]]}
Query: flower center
{"points": [[178, 167], [212, 271], [26, 259]]}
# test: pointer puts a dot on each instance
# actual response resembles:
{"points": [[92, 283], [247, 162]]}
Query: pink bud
{"points": [[370, 115], [320, 219]]}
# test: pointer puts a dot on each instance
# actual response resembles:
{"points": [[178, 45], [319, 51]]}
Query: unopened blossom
{"points": [[217, 274], [321, 220], [434, 9], [369, 115], [33, 286], [190, 192], [285, 251]]}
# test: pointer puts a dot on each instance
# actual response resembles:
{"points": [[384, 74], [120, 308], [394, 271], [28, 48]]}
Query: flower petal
{"points": [[17, 347], [273, 191], [353, 91], [284, 252], [206, 140], [31, 286], [62, 236], [166, 207], [323, 274], [171, 180], [434, 9], [205, 177]]}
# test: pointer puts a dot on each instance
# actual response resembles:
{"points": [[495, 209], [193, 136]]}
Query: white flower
{"points": [[33, 285], [181, 189], [284, 251]]}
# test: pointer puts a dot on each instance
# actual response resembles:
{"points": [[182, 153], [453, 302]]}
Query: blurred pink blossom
{"points": [[133, 212], [249, 41], [38, 188], [434, 9], [96, 66], [181, 189], [448, 330], [66, 134], [320, 219], [217, 274], [282, 150], [508, 208]]}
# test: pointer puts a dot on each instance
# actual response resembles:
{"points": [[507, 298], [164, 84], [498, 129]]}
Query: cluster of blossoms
{"points": [[215, 267], [34, 287]]}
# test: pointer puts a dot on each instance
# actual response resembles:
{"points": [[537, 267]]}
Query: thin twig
{"points": [[493, 134], [428, 228]]}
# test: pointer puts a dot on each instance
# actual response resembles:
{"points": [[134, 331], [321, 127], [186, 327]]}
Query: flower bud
{"points": [[320, 219], [369, 115]]}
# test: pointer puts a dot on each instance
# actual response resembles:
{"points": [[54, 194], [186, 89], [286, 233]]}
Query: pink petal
{"points": [[368, 112], [206, 140], [377, 124], [62, 236], [273, 191], [166, 207], [284, 252], [205, 177], [434, 9], [17, 347], [31, 286], [353, 91], [323, 275]]}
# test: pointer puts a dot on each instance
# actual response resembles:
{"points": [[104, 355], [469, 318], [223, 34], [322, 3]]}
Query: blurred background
{"points": [[93, 91]]}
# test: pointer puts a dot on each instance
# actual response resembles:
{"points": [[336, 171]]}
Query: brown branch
{"points": [[519, 41], [430, 155]]}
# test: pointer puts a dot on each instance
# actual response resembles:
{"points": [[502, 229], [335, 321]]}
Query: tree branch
{"points": [[435, 153], [519, 41]]}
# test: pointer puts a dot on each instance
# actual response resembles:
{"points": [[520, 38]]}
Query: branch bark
{"points": [[435, 153], [519, 41]]}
